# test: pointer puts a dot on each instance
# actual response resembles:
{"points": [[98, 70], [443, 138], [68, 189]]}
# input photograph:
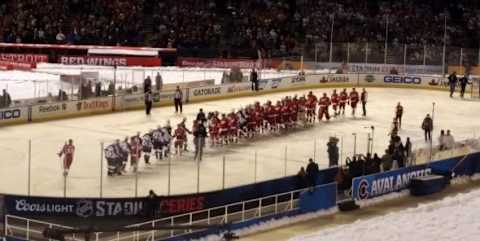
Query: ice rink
{"points": [[241, 166]]}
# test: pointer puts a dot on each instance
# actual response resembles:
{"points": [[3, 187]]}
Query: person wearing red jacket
{"points": [[311, 104], [335, 99], [67, 151], [354, 98], [343, 101], [323, 104]]}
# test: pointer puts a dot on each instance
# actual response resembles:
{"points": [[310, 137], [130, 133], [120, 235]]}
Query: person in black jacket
{"points": [[200, 133], [463, 84], [312, 172], [201, 116], [452, 82], [254, 79]]}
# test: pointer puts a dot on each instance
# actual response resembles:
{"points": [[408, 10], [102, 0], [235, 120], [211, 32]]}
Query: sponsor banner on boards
{"points": [[85, 208], [24, 58], [110, 60], [375, 185]]}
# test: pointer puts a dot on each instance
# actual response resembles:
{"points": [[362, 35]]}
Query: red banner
{"points": [[225, 63], [9, 65], [24, 58], [110, 60]]}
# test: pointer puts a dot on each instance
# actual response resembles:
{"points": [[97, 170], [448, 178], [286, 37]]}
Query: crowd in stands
{"points": [[281, 26]]}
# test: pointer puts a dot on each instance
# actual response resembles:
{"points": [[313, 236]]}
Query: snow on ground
{"points": [[453, 218], [46, 78]]}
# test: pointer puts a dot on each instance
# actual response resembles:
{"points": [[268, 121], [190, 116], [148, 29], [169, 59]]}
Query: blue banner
{"points": [[375, 185], [161, 206], [318, 198]]}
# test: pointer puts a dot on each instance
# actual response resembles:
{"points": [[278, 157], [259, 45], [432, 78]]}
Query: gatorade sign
{"points": [[397, 79]]}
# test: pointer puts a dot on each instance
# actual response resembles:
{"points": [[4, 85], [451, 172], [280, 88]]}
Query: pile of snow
{"points": [[272, 224], [453, 218]]}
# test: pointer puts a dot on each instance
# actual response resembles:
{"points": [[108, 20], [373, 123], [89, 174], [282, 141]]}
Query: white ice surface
{"points": [[453, 218], [460, 116]]}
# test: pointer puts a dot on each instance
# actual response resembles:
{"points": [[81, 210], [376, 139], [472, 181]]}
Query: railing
{"points": [[29, 229]]}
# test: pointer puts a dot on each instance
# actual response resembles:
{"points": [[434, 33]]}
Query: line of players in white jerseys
{"points": [[252, 120]]}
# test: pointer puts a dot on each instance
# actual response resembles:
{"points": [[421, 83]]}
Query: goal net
{"points": [[475, 88]]}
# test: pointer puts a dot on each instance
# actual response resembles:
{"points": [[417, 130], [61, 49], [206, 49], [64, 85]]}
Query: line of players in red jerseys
{"points": [[285, 114]]}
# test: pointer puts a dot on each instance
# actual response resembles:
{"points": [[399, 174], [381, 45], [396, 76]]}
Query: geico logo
{"points": [[402, 79], [49, 108], [10, 114], [210, 91]]}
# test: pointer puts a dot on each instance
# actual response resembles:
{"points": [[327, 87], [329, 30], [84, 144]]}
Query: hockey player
{"points": [[213, 129], [233, 127], [311, 105], [124, 151], [180, 137], [343, 101], [147, 143], [223, 131], [67, 152], [166, 140], [113, 156], [157, 139], [354, 98], [323, 103], [184, 126], [135, 152], [335, 99], [399, 114]]}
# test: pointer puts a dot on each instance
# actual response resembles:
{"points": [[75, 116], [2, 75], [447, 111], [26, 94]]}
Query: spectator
{"points": [[387, 161], [408, 151], [442, 141], [254, 79], [427, 126], [152, 204], [302, 178], [111, 88], [332, 150], [98, 89], [147, 85], [62, 95], [312, 172], [6, 100], [158, 82], [177, 99], [376, 163], [449, 141]]}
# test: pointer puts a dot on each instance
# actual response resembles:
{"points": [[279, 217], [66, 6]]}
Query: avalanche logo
{"points": [[84, 208], [363, 189]]}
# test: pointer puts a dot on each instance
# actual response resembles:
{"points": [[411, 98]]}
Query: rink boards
{"points": [[101, 105]]}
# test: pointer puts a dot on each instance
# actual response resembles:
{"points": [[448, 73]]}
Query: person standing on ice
{"points": [[463, 85], [363, 99], [177, 99], [254, 79], [67, 152], [158, 82], [427, 126], [452, 82], [147, 85], [399, 114], [148, 102]]}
